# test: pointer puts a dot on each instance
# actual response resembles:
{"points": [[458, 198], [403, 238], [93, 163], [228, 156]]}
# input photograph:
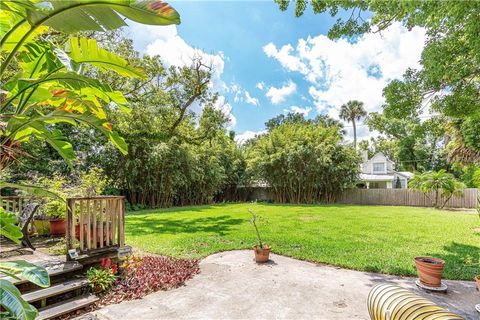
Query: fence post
{"points": [[70, 225], [121, 223]]}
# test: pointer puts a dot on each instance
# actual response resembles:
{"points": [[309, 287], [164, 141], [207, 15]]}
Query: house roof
{"points": [[376, 177], [380, 154], [406, 174]]}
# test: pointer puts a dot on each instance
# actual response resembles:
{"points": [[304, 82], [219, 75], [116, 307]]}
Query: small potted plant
{"points": [[430, 270], [55, 210], [101, 279], [262, 251]]}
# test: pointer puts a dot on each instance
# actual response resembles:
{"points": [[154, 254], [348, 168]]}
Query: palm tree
{"points": [[353, 111]]}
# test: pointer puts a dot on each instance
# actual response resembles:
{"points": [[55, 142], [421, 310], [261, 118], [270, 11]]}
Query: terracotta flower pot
{"points": [[57, 227], [430, 270], [477, 280], [261, 254]]}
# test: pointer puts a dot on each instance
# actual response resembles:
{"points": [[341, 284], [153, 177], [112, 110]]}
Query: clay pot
{"points": [[430, 270], [477, 280], [97, 290], [261, 254], [58, 227]]}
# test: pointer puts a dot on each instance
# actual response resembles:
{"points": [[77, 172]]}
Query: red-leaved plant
{"points": [[142, 276]]}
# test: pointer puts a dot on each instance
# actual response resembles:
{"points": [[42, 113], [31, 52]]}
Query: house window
{"points": [[379, 167]]}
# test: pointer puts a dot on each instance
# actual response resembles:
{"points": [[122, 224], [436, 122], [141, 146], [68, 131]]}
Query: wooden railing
{"points": [[13, 204], [95, 223]]}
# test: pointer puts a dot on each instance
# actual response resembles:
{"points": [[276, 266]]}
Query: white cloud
{"points": [[260, 85], [173, 50], [278, 95], [247, 135], [237, 91], [339, 71], [241, 95], [251, 100], [295, 109], [289, 61]]}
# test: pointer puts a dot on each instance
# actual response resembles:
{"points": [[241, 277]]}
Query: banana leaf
{"points": [[21, 269], [12, 301]]}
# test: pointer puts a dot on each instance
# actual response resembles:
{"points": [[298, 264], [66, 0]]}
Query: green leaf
{"points": [[56, 139], [85, 50], [100, 15], [12, 301], [8, 226], [33, 190], [28, 271]]}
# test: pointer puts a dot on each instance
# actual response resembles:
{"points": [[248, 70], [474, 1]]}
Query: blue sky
{"points": [[268, 62]]}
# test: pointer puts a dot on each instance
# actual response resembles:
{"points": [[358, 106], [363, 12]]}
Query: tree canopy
{"points": [[449, 78], [303, 162]]}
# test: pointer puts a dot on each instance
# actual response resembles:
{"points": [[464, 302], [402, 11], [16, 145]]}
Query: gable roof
{"points": [[380, 154]]}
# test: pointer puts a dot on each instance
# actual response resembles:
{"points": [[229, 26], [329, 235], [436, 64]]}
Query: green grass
{"points": [[369, 238]]}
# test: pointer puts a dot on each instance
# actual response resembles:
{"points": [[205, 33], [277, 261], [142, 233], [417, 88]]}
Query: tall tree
{"points": [[352, 112], [449, 76], [303, 162]]}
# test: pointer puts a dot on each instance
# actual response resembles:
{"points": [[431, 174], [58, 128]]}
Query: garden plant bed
{"points": [[151, 274], [154, 273]]}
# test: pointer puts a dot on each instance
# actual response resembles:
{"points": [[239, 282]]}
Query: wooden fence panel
{"points": [[406, 197]]}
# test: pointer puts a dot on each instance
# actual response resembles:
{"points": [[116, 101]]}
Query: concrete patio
{"points": [[232, 286]]}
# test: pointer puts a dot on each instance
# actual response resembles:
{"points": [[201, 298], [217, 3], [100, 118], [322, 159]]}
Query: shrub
{"points": [[440, 183], [88, 184], [303, 162]]}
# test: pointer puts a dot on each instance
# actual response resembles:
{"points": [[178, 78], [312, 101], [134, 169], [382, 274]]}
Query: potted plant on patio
{"points": [[101, 279], [262, 251], [430, 270], [55, 208]]}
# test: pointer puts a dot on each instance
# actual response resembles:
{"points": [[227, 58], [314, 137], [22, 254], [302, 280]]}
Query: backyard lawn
{"points": [[369, 238]]}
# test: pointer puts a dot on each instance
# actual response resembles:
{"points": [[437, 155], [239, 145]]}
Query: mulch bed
{"points": [[153, 273]]}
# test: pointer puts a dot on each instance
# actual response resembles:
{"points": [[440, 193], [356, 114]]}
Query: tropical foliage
{"points": [[303, 162], [11, 301], [44, 84], [440, 183]]}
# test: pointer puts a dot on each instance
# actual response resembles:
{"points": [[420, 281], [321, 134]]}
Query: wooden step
{"points": [[54, 268], [67, 306], [55, 290]]}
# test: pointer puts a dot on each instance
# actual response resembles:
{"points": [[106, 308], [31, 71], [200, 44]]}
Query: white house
{"points": [[379, 173]]}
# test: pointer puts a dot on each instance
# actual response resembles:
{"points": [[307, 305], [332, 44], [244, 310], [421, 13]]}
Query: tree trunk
{"points": [[354, 134]]}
